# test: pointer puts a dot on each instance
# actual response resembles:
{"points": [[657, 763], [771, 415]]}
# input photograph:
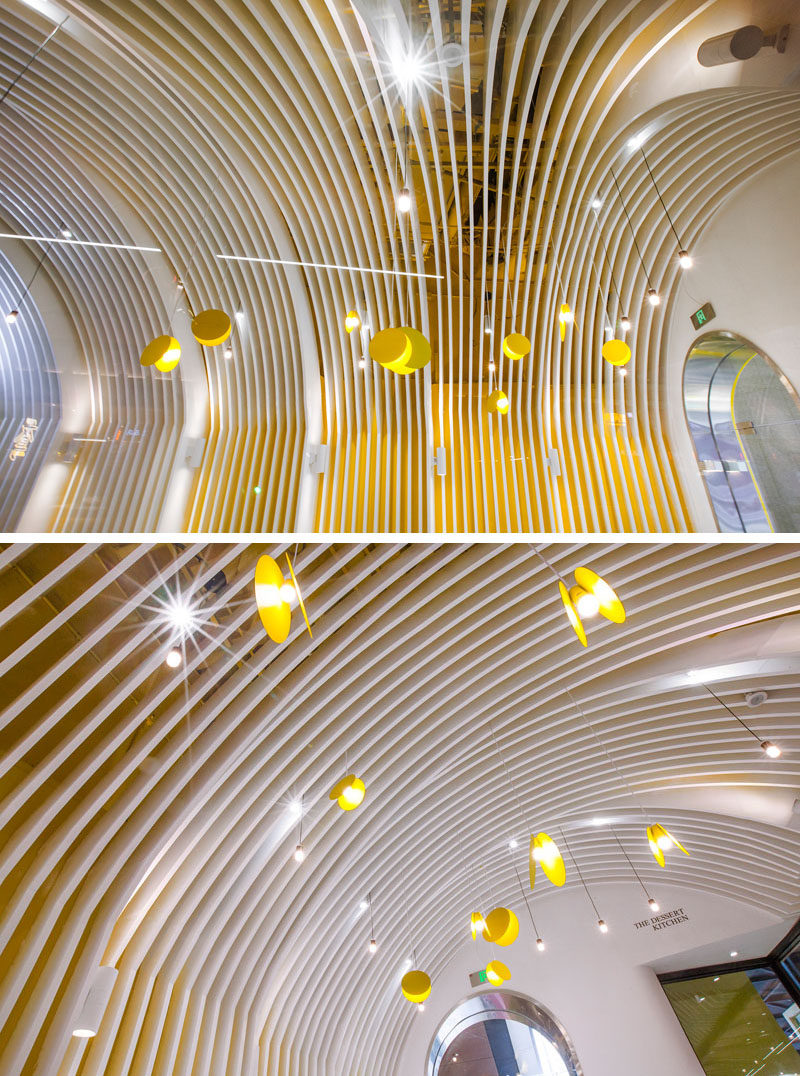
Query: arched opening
{"points": [[744, 418], [498, 1033]]}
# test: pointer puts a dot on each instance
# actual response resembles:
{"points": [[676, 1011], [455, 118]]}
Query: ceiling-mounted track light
{"points": [[741, 44]]}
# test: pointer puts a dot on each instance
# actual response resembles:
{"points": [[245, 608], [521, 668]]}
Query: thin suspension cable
{"points": [[658, 192], [630, 225], [43, 45], [630, 864], [742, 723], [29, 285], [578, 869], [524, 896]]}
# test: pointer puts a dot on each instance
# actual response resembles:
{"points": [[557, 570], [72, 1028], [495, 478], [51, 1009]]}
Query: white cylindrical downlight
{"points": [[94, 1005]]}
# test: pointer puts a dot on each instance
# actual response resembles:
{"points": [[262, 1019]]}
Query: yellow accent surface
{"points": [[416, 986], [572, 613], [276, 614], [211, 327], [502, 927], [610, 605], [164, 350]]}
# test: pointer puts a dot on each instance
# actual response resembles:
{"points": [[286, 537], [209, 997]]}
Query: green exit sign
{"points": [[478, 977], [702, 316]]}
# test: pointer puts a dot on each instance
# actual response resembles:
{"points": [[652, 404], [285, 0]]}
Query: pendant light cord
{"points": [[578, 869], [736, 716], [41, 47], [630, 863], [39, 265], [633, 233], [658, 192]]}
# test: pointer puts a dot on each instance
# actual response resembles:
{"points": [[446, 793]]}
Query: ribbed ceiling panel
{"points": [[146, 812], [279, 130]]}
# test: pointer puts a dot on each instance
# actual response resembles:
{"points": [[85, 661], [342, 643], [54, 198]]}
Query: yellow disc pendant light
{"points": [[660, 841], [271, 599], [352, 321], [516, 346], [211, 327], [616, 352], [164, 353], [403, 351], [349, 792], [502, 927], [609, 604], [416, 986], [497, 401], [497, 972], [572, 613], [565, 316], [477, 924], [544, 851]]}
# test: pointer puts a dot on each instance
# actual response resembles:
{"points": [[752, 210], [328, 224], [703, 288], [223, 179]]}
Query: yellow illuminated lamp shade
{"points": [[609, 604], [211, 327], [544, 851], [661, 841], [349, 792], [416, 986], [497, 972], [403, 351], [616, 352], [502, 927], [476, 924], [273, 608], [572, 613], [300, 601], [516, 346], [497, 401], [164, 353], [564, 318], [352, 321]]}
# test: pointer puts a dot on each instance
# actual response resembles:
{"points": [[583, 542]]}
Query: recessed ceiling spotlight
{"points": [[513, 844], [407, 66], [734, 952]]}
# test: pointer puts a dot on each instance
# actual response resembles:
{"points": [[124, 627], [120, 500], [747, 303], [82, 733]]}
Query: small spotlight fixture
{"points": [[770, 749], [361, 364], [513, 845], [65, 232], [227, 353], [685, 259], [734, 952], [623, 373], [179, 285], [421, 1007], [540, 945], [404, 200], [653, 297], [602, 926], [299, 854], [625, 323], [174, 658], [491, 365], [654, 905], [372, 947], [11, 317], [597, 204], [487, 325]]}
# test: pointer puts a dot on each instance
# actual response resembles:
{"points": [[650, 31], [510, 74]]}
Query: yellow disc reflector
{"points": [[165, 365], [211, 327], [164, 349], [349, 792], [658, 854], [497, 401], [390, 347], [564, 318], [660, 841], [476, 924], [616, 352], [416, 986], [420, 350], [502, 926], [352, 321], [544, 851], [516, 346], [497, 972], [275, 613], [572, 613], [610, 605]]}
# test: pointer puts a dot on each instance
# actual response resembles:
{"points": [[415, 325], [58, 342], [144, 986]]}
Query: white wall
{"points": [[600, 987], [747, 264]]}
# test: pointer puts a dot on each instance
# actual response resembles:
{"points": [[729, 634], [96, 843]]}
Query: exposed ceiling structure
{"points": [[148, 813], [279, 130]]}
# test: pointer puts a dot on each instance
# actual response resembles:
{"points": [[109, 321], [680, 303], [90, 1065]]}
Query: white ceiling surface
{"points": [[272, 129], [146, 813]]}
